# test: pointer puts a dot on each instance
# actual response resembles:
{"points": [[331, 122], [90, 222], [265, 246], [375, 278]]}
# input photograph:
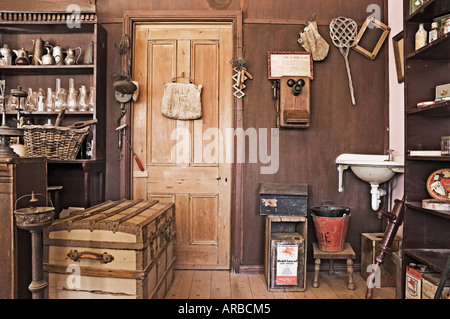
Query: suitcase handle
{"points": [[104, 258]]}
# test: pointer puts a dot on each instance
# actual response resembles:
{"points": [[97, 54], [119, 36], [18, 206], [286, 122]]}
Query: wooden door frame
{"points": [[130, 18]]}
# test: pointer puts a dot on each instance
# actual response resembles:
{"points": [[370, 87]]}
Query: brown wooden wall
{"points": [[306, 155]]}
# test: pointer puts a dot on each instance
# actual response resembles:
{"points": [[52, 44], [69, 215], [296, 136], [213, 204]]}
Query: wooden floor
{"points": [[205, 284]]}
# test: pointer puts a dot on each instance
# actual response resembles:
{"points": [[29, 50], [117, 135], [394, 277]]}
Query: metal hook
{"points": [[312, 18]]}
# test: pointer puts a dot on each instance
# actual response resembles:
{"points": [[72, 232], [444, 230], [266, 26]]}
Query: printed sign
{"points": [[287, 263]]}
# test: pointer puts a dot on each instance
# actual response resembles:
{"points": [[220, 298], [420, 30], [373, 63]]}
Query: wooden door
{"points": [[185, 160]]}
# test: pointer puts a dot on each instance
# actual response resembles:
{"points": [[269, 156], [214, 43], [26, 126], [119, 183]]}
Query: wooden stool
{"points": [[347, 253]]}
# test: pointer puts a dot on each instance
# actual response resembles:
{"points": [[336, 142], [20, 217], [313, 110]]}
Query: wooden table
{"points": [[347, 253]]}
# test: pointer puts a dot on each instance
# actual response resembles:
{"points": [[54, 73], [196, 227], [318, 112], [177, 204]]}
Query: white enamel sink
{"points": [[374, 169]]}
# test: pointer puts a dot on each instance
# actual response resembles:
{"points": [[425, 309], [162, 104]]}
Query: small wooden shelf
{"points": [[428, 11], [44, 113], [418, 207], [428, 158], [436, 50], [47, 69], [432, 258], [441, 109]]}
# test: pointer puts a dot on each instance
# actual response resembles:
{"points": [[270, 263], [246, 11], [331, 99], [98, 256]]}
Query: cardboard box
{"points": [[430, 283], [413, 283]]}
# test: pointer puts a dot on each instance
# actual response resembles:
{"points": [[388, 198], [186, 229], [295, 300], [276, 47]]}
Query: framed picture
{"points": [[399, 54], [292, 63]]}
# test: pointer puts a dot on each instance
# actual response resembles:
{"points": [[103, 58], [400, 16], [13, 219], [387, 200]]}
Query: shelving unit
{"points": [[426, 237], [82, 179]]}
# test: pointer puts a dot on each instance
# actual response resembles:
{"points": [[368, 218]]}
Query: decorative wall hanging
{"points": [[293, 63], [240, 75], [312, 41], [182, 101], [343, 34], [399, 54], [386, 29]]}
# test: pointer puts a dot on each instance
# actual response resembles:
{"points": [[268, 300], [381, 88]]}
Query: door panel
{"points": [[163, 59], [183, 158]]}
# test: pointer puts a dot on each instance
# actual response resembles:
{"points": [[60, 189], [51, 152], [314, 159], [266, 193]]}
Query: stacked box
{"points": [[283, 199], [430, 283], [287, 261]]}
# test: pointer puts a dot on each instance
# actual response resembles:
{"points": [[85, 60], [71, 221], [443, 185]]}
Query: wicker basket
{"points": [[53, 142]]}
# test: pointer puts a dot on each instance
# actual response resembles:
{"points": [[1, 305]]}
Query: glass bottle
{"points": [[421, 37], [91, 99], [433, 34], [41, 100], [50, 101], [83, 100], [30, 103], [13, 103], [58, 101]]}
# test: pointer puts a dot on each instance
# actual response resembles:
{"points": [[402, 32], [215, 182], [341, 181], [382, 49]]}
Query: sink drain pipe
{"points": [[376, 195]]}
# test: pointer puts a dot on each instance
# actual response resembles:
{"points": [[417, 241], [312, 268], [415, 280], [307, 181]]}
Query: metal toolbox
{"points": [[283, 199], [117, 249]]}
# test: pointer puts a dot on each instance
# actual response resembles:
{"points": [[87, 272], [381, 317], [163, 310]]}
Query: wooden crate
{"points": [[277, 226], [117, 249], [369, 252], [283, 199]]}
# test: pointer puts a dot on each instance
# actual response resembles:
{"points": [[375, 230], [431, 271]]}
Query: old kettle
{"points": [[6, 55], [70, 58], [23, 57], [47, 59]]}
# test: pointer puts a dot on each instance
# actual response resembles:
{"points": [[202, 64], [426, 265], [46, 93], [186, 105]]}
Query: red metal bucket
{"points": [[331, 232]]}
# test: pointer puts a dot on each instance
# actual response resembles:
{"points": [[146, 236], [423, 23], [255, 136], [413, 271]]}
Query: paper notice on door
{"points": [[287, 262]]}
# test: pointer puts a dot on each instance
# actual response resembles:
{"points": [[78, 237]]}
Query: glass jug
{"points": [[83, 99]]}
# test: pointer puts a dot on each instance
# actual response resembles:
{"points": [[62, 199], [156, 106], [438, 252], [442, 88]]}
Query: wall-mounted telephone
{"points": [[295, 101], [297, 86]]}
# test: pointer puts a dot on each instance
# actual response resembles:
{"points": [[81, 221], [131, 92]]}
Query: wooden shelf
{"points": [[429, 10], [428, 158], [47, 69], [418, 207], [425, 232], [67, 113], [436, 50], [432, 258], [441, 109]]}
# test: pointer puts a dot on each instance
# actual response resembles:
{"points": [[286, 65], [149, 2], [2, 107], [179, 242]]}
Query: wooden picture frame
{"points": [[399, 55], [289, 63], [371, 55]]}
